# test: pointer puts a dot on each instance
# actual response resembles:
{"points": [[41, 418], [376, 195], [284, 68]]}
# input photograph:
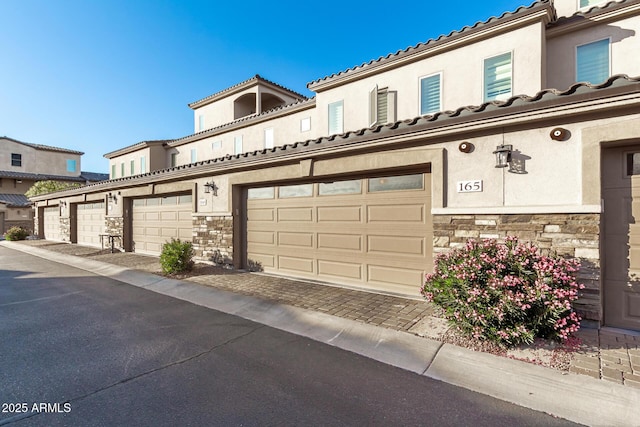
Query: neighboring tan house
{"points": [[403, 157], [22, 165]]}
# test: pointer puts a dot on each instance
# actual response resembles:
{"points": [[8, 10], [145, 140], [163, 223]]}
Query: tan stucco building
{"points": [[394, 161], [23, 164]]}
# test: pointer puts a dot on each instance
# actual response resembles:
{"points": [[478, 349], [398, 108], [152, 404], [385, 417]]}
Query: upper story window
{"points": [[194, 155], [305, 124], [237, 145], [174, 160], [200, 122], [143, 164], [16, 159], [430, 94], [268, 138], [592, 62], [336, 117], [498, 77], [216, 145], [122, 169], [587, 3], [381, 106], [132, 167], [71, 165], [113, 171]]}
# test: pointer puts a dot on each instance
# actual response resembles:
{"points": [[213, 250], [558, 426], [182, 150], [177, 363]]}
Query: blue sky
{"points": [[98, 75]]}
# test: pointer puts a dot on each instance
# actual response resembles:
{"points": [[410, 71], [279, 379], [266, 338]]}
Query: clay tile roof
{"points": [[254, 79], [44, 147], [430, 43]]}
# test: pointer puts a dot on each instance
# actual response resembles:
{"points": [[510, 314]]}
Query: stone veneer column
{"points": [[114, 225], [65, 229], [213, 239], [569, 235]]}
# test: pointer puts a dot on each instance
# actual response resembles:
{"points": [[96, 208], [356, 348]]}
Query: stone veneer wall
{"points": [[65, 229], [114, 225], [569, 235], [213, 239]]}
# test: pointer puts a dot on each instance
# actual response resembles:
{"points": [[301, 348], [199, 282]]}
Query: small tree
{"points": [[44, 187]]}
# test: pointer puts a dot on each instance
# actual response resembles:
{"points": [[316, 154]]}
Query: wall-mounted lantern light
{"points": [[503, 155], [63, 204], [211, 187], [113, 197]]}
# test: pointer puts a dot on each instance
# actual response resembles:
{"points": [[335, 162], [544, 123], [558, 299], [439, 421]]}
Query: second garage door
{"points": [[156, 220], [52, 223], [374, 233], [90, 223]]}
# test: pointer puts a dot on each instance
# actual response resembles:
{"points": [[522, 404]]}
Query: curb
{"points": [[573, 397]]}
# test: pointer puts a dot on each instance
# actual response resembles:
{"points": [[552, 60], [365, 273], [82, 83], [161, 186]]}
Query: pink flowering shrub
{"points": [[506, 293]]}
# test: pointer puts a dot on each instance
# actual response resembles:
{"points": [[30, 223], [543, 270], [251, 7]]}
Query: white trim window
{"points": [[593, 62], [431, 94], [143, 164], [132, 167], [268, 138], [200, 122], [336, 117], [174, 160], [305, 124], [237, 144], [194, 155], [498, 77], [588, 3]]}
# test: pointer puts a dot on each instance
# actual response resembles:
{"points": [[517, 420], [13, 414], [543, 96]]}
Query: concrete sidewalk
{"points": [[386, 329]]}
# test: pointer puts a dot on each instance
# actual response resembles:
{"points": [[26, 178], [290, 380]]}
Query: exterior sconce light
{"points": [[503, 155], [63, 204], [113, 197], [211, 187]]}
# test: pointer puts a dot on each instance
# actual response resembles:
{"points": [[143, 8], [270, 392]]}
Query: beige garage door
{"points": [[156, 220], [90, 223], [621, 246], [373, 233], [52, 223]]}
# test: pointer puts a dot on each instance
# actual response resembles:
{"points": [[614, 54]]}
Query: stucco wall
{"points": [[625, 44], [36, 161]]}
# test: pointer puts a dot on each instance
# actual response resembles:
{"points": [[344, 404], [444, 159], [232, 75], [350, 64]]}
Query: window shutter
{"points": [[430, 94], [383, 105], [497, 77], [336, 118], [593, 62], [373, 106]]}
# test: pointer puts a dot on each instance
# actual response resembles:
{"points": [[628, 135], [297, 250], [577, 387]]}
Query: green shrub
{"points": [[176, 256], [506, 293], [16, 233]]}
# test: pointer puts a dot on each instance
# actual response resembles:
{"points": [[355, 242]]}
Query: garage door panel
{"points": [[396, 213], [90, 223], [340, 269], [303, 265], [340, 241], [304, 240], [265, 260], [295, 214], [264, 237], [255, 215], [395, 245], [340, 213], [394, 275]]}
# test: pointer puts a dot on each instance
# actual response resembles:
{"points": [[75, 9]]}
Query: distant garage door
{"points": [[52, 223], [374, 233], [90, 223], [156, 220]]}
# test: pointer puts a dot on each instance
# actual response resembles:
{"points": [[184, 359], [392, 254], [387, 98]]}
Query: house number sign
{"points": [[469, 186]]}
